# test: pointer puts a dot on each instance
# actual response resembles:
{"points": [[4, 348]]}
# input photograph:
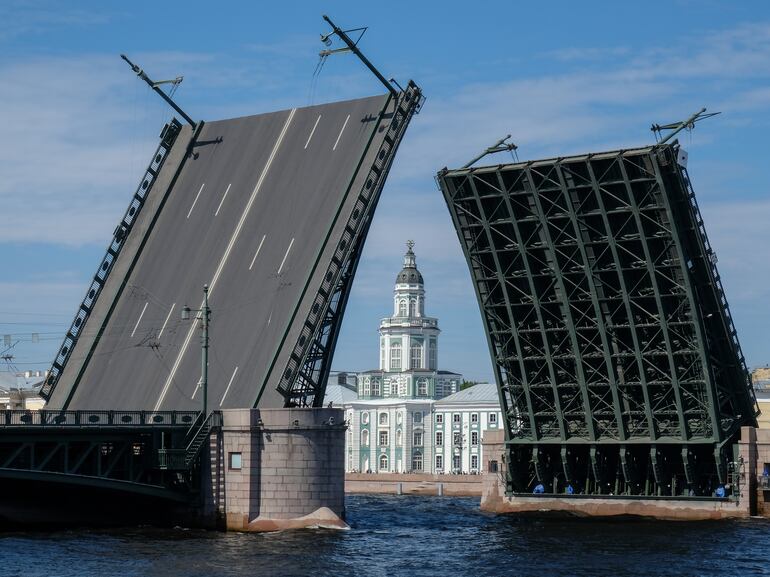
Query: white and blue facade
{"points": [[403, 403]]}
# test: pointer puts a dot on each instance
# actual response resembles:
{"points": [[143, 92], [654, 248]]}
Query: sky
{"points": [[560, 77]]}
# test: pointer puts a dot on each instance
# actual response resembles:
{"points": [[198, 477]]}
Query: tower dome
{"points": [[409, 274]]}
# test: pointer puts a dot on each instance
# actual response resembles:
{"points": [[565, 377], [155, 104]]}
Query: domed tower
{"points": [[409, 339]]}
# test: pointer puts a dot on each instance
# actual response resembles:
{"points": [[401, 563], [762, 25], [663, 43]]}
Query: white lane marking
{"points": [[168, 316], [312, 131], [280, 268], [237, 231], [340, 134], [224, 196], [139, 320], [196, 200], [227, 390], [259, 248]]}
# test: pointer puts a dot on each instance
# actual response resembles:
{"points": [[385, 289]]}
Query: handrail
{"points": [[81, 418], [168, 137], [196, 436]]}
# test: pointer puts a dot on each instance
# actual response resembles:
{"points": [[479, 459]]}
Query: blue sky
{"points": [[562, 77]]}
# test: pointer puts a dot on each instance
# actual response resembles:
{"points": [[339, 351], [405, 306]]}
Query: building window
{"points": [[365, 418], [383, 462], [456, 418], [432, 355], [416, 356], [383, 418], [439, 418], [375, 387], [402, 308], [417, 439], [412, 308], [422, 387], [439, 462], [383, 438], [492, 417], [456, 439], [456, 463], [474, 437], [439, 438], [395, 356], [417, 462], [474, 462], [474, 417], [236, 461], [365, 438], [382, 355]]}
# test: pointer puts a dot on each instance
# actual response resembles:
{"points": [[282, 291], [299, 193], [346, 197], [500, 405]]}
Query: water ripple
{"points": [[414, 536]]}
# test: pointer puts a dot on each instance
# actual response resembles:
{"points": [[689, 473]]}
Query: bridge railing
{"points": [[44, 418]]}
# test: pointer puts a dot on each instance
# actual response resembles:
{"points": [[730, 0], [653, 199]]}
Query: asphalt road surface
{"points": [[252, 213]]}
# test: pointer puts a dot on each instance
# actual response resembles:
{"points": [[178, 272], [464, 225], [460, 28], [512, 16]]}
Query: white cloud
{"points": [[26, 17], [78, 131]]}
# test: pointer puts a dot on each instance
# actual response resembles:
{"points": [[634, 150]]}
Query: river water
{"points": [[414, 536]]}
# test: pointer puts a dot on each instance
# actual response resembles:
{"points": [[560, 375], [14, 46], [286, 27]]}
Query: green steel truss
{"points": [[617, 360]]}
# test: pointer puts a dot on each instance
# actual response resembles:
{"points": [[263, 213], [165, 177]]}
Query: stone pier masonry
{"points": [[274, 469]]}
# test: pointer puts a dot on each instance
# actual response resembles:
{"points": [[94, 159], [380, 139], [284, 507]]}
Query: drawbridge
{"points": [[619, 367], [266, 216], [270, 212]]}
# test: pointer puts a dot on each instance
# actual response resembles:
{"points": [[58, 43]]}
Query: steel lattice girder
{"points": [[603, 308]]}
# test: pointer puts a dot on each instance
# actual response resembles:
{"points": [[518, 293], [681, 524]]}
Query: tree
{"points": [[466, 384]]}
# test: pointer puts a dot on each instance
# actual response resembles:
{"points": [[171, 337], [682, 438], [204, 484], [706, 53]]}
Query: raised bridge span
{"points": [[271, 212]]}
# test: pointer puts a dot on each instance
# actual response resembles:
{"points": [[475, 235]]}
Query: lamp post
{"points": [[204, 314]]}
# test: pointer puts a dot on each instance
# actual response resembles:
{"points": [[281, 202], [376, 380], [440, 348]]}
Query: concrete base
{"points": [[494, 501], [276, 469]]}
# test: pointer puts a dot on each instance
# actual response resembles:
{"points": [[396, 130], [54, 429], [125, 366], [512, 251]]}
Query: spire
{"points": [[409, 274], [409, 261]]}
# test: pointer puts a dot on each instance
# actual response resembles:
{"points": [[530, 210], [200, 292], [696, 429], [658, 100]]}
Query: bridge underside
{"points": [[617, 360], [271, 212]]}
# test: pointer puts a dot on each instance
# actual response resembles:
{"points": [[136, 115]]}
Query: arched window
{"points": [[412, 308], [383, 462], [416, 355], [375, 387], [365, 438], [402, 308], [417, 461], [395, 356]]}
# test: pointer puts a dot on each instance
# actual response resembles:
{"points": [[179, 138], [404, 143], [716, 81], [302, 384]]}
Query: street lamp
{"points": [[204, 314]]}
